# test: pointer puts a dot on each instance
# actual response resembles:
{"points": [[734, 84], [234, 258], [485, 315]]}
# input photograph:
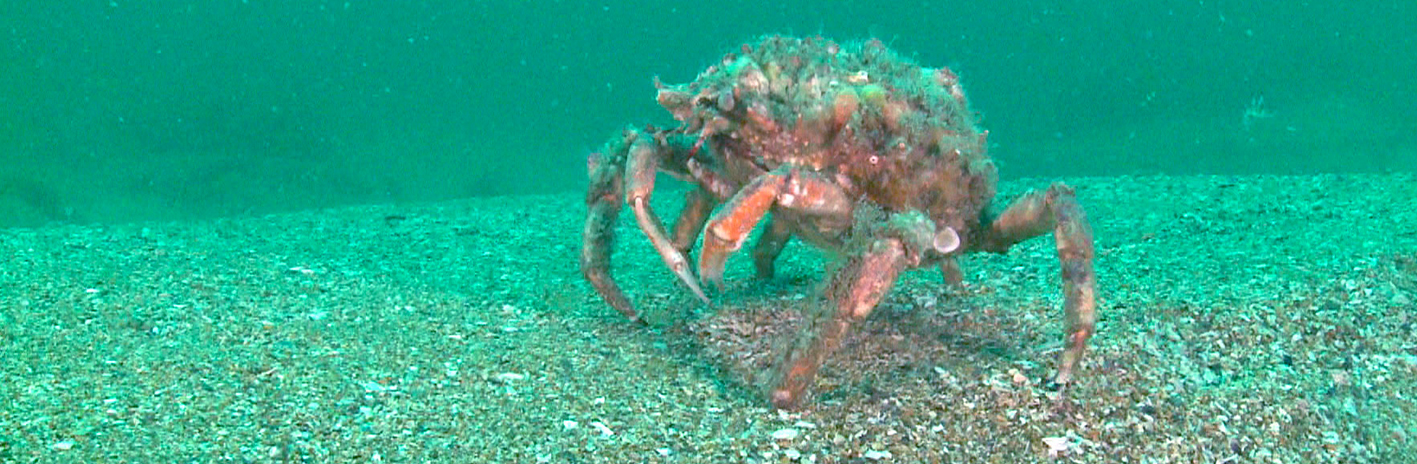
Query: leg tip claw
{"points": [[1060, 382], [711, 270], [783, 398]]}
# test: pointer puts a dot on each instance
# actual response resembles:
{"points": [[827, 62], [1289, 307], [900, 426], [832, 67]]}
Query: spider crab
{"points": [[849, 147]]}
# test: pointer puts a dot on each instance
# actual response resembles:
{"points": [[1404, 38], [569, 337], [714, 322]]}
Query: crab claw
{"points": [[673, 258], [683, 271], [716, 249], [729, 227]]}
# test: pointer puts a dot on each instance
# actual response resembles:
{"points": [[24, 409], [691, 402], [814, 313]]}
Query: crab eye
{"points": [[725, 100], [873, 159]]}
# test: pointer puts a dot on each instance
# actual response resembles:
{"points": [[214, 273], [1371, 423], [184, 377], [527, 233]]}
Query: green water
{"points": [[129, 110]]}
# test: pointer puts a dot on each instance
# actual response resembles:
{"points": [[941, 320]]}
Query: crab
{"points": [[847, 146]]}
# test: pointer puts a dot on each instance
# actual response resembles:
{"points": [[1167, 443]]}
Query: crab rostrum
{"points": [[853, 149]]}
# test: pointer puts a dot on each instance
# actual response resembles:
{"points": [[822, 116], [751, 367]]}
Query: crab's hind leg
{"points": [[1035, 214], [949, 270]]}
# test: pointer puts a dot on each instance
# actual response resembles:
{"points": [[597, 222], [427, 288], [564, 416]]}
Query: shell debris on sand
{"points": [[1293, 347]]}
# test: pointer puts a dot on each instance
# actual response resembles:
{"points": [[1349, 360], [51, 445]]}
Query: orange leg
{"points": [[729, 227], [710, 180], [697, 206], [853, 293], [1035, 214], [643, 164], [815, 198], [623, 172]]}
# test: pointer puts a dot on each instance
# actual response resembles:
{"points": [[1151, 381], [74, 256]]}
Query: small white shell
{"points": [[860, 77], [946, 240], [1056, 445]]}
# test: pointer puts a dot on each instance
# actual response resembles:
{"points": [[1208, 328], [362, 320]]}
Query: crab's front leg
{"points": [[604, 199], [807, 193], [643, 165], [1035, 214], [854, 291], [623, 172]]}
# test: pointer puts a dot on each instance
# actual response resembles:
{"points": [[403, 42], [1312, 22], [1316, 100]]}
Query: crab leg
{"points": [[855, 291], [634, 154], [1033, 215], [643, 165], [949, 270], [798, 191], [769, 246], [697, 206], [710, 180], [603, 201], [729, 227]]}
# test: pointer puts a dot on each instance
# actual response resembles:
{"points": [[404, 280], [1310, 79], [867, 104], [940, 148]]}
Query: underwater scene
{"points": [[708, 232]]}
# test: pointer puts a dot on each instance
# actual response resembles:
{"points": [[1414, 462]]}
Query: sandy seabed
{"points": [[1242, 319]]}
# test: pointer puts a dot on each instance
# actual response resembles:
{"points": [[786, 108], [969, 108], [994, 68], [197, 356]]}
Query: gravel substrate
{"points": [[1243, 319]]}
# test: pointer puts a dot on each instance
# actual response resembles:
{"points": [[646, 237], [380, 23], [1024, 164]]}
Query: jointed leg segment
{"points": [[603, 202], [623, 173], [801, 192], [854, 291], [730, 226], [770, 244], [1035, 214], [643, 166], [697, 206]]}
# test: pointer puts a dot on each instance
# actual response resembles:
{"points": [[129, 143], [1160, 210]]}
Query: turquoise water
{"points": [[123, 110], [1243, 316]]}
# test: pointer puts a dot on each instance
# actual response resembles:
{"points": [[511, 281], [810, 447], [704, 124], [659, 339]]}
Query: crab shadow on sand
{"points": [[919, 335]]}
